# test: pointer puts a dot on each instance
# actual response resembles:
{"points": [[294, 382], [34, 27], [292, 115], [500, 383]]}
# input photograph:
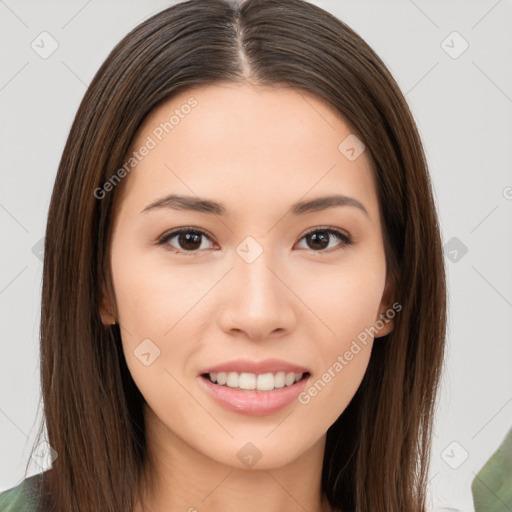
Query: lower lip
{"points": [[253, 403]]}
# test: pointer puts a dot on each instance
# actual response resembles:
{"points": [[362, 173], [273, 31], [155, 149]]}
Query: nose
{"points": [[257, 300]]}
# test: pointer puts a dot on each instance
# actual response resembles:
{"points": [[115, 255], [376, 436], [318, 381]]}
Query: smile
{"points": [[252, 381]]}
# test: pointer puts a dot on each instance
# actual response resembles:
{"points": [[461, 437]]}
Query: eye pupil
{"points": [[319, 236], [190, 240]]}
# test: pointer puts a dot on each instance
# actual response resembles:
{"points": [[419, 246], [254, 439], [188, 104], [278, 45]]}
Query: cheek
{"points": [[343, 361], [158, 308], [343, 298], [329, 393], [151, 297], [150, 313], [347, 303], [142, 318]]}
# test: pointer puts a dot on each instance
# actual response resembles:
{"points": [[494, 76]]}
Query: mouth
{"points": [[254, 394], [262, 382]]}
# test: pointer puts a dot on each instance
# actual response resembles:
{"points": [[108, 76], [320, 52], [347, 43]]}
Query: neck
{"points": [[177, 477]]}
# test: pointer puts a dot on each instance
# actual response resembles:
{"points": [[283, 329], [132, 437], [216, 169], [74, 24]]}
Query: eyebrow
{"points": [[196, 204]]}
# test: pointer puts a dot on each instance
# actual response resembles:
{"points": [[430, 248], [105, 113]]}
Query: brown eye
{"points": [[187, 240], [319, 239]]}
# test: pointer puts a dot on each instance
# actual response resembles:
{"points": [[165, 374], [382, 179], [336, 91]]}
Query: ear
{"points": [[385, 318], [107, 311]]}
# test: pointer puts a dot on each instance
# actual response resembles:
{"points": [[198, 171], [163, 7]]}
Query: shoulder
{"points": [[23, 497]]}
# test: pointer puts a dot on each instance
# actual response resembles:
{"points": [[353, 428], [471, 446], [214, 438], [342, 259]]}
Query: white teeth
{"points": [[247, 381], [261, 382]]}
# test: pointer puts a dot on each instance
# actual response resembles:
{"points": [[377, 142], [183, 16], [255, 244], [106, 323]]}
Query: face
{"points": [[253, 280]]}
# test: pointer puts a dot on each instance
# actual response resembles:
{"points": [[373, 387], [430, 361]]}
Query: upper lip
{"points": [[264, 366]]}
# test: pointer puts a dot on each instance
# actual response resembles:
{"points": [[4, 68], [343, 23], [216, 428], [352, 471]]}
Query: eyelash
{"points": [[346, 240]]}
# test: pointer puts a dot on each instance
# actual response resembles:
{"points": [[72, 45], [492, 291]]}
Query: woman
{"points": [[243, 293]]}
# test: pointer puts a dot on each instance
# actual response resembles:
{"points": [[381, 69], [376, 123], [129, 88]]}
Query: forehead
{"points": [[266, 144]]}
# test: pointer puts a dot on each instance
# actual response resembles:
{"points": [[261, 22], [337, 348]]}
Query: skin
{"points": [[257, 150]]}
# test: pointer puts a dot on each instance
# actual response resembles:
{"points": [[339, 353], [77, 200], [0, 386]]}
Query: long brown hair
{"points": [[377, 452]]}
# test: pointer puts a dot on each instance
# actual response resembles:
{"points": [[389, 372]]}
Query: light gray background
{"points": [[463, 110]]}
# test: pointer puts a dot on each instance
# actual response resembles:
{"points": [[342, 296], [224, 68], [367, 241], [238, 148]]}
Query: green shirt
{"points": [[23, 497], [492, 486]]}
